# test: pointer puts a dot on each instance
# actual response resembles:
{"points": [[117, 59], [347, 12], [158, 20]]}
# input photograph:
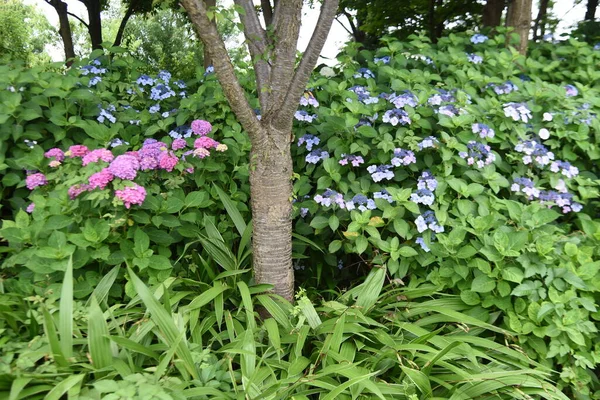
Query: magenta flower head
{"points": [[78, 150], [56, 153], [125, 166], [101, 179], [97, 155], [168, 161], [131, 195], [34, 180], [76, 190], [205, 142], [178, 144], [30, 208], [201, 127]]}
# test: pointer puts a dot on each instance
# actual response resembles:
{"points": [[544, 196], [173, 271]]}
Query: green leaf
{"points": [[361, 244], [483, 284], [319, 222], [232, 211], [406, 251], [65, 325], [64, 386], [98, 341], [371, 288], [141, 242]]}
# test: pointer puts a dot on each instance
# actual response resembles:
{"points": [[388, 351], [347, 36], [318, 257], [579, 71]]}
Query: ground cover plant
{"points": [[471, 171]]}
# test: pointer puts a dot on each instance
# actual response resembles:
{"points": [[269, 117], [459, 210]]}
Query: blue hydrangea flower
{"points": [[380, 172], [478, 38], [571, 90], [478, 153], [565, 168], [396, 116], [316, 155], [303, 212], [154, 109], [403, 157], [302, 115], [145, 80], [165, 76], [330, 197], [364, 96], [427, 220], [534, 151], [483, 130], [401, 100], [474, 58], [310, 140], [423, 245], [517, 111], [94, 81], [161, 92], [106, 115], [503, 88], [384, 60], [383, 194], [423, 196], [209, 70], [448, 110], [308, 100], [428, 142], [364, 73], [526, 186], [352, 159], [427, 181]]}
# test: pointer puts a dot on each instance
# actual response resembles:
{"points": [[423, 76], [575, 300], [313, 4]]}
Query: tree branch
{"points": [[343, 26], [224, 69], [286, 28], [267, 10], [309, 59], [80, 20], [256, 38]]}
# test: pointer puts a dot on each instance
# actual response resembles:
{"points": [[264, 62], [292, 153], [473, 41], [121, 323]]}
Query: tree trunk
{"points": [[95, 23], [64, 29], [540, 21], [492, 13], [207, 59], [519, 17], [121, 31], [270, 194], [590, 13]]}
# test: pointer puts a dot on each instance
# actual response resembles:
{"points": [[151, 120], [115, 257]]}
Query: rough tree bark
{"points": [[94, 7], [119, 36], [207, 60], [492, 13], [64, 29], [519, 17], [540, 20], [280, 85], [590, 12]]}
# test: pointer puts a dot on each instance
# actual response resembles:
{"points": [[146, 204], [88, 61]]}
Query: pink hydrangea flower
{"points": [[54, 164], [78, 150], [34, 180], [30, 208], [101, 179], [201, 127], [124, 166], [131, 195], [168, 161], [76, 190], [178, 144], [97, 155], [56, 153], [205, 142]]}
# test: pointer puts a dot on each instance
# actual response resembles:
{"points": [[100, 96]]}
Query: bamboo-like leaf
{"points": [[17, 387], [247, 358], [420, 380], [133, 346], [64, 386], [445, 350], [276, 311], [309, 312], [247, 302], [340, 389], [165, 322], [101, 291], [273, 332], [65, 319], [98, 341], [244, 242], [371, 288], [208, 296], [308, 241], [164, 363], [53, 341], [206, 391], [219, 252], [232, 211]]}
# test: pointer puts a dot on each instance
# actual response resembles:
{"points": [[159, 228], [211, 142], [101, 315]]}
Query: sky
{"points": [[564, 10]]}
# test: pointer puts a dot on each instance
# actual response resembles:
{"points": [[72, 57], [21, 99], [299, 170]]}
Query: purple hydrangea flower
{"points": [[403, 157], [124, 166], [474, 58], [427, 220], [34, 180], [310, 140], [380, 172], [396, 116], [428, 142], [201, 127], [478, 38], [478, 154], [571, 90], [483, 130], [352, 159], [316, 155], [302, 115]]}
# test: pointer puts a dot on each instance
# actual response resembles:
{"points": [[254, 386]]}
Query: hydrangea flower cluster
{"points": [[525, 185], [97, 155], [396, 116], [474, 58], [125, 166], [478, 38], [565, 168], [105, 114], [534, 151], [423, 196], [302, 115], [427, 181], [428, 142], [161, 92], [404, 99], [135, 194], [180, 132], [34, 180], [448, 110], [383, 60], [93, 68], [310, 140], [383, 194], [55, 153], [352, 159], [364, 73], [427, 220], [308, 100], [483, 130], [403, 157], [517, 111], [362, 202], [444, 96], [504, 88], [363, 94], [330, 197], [571, 90], [380, 172], [316, 155], [478, 153]]}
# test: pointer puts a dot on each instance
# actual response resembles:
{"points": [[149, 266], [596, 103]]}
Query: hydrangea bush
{"points": [[478, 174]]}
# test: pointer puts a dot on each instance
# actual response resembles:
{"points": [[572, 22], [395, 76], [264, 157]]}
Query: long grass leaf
{"points": [[103, 287], [17, 386], [371, 288], [247, 302], [341, 388], [232, 211], [64, 386], [98, 341], [165, 322], [53, 341], [308, 241], [273, 332], [309, 312], [420, 380], [208, 296], [65, 320], [276, 310], [244, 242], [133, 346]]}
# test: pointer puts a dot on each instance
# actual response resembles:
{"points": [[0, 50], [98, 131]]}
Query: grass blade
{"points": [[50, 330], [64, 386], [371, 288], [103, 287], [165, 322], [65, 320], [247, 302], [134, 346], [98, 341], [17, 386], [232, 211]]}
